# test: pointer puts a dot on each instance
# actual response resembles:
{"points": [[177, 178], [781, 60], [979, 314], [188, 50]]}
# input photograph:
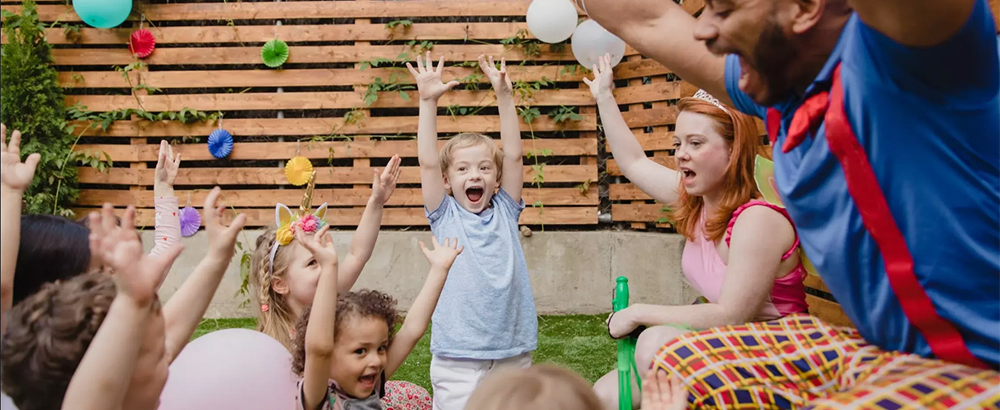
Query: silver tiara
{"points": [[703, 95]]}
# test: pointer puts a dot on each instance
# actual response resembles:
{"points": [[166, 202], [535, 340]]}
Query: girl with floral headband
{"points": [[740, 251], [283, 274]]}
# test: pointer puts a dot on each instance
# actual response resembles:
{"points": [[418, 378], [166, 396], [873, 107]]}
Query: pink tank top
{"points": [[705, 270]]}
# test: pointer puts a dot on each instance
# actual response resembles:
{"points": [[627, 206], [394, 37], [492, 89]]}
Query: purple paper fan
{"points": [[190, 221]]}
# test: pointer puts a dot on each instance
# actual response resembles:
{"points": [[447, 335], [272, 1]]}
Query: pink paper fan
{"points": [[141, 43], [190, 221]]}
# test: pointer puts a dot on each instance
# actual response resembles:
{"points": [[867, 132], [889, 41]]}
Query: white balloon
{"points": [[591, 42], [552, 21]]}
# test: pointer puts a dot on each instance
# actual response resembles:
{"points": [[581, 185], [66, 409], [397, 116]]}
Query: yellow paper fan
{"points": [[298, 170]]}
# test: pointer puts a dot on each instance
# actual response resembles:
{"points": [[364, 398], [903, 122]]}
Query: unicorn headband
{"points": [[287, 221]]}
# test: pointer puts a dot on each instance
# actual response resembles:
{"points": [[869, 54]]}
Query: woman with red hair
{"points": [[740, 251]]}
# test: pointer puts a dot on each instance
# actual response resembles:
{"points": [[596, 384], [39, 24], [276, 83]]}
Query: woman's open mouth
{"points": [[688, 175]]}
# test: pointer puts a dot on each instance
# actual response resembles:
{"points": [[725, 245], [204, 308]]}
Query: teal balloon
{"points": [[103, 13]]}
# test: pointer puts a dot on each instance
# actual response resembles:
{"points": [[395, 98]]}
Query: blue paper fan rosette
{"points": [[274, 53], [220, 143], [190, 221]]}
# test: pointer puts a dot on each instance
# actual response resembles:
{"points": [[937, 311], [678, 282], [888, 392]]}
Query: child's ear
{"points": [[447, 184], [279, 286]]}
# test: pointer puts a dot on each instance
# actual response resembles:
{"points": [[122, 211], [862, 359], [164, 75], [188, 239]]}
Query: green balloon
{"points": [[103, 13]]}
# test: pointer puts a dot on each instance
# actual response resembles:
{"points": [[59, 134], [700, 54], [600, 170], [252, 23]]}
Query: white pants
{"points": [[454, 380]]}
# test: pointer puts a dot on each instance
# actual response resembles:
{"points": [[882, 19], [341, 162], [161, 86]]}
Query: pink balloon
{"points": [[236, 369]]}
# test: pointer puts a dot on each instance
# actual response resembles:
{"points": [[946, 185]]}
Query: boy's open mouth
{"points": [[474, 194]]}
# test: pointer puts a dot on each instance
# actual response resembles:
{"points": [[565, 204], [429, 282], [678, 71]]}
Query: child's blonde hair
{"points": [[544, 386], [468, 139], [275, 317]]}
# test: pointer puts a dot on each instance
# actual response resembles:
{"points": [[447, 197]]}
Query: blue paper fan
{"points": [[220, 143]]}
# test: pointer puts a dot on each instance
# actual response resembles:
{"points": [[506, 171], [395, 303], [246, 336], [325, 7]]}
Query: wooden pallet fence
{"points": [[208, 60]]}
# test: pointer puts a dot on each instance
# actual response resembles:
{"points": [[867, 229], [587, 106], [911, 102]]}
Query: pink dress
{"points": [[705, 270]]}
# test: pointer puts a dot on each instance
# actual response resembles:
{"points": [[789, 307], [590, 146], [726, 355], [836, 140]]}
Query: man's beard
{"points": [[772, 58]]}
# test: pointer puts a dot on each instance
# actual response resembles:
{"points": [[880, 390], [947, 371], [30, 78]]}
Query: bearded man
{"points": [[884, 119]]}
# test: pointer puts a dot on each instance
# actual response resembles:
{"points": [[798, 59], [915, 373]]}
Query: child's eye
{"points": [[312, 262], [360, 351]]}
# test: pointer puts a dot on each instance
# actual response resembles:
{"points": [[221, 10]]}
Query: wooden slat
{"points": [[347, 100], [647, 93], [276, 176], [252, 198], [650, 118], [319, 150], [639, 68], [636, 212], [297, 54], [614, 170], [693, 6], [626, 192], [816, 282], [293, 78], [303, 10], [995, 8], [312, 100], [828, 311], [348, 217], [324, 126], [239, 34]]}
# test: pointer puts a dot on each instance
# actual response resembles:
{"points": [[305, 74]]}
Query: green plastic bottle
{"points": [[626, 349]]}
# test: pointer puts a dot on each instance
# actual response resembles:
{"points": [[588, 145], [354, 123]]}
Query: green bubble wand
{"points": [[626, 351]]}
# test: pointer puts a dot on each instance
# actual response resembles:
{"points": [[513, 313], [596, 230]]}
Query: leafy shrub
{"points": [[32, 101]]}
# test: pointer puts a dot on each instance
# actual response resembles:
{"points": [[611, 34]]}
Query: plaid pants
{"points": [[799, 362]]}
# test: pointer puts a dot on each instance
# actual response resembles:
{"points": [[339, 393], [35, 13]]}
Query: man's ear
{"points": [[806, 14]]}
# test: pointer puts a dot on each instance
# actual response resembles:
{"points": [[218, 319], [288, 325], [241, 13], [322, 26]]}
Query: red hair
{"points": [[738, 187]]}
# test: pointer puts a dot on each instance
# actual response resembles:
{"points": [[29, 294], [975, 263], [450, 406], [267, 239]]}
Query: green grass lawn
{"points": [[580, 343]]}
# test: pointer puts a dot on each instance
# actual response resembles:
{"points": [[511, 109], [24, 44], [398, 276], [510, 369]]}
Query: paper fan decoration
{"points": [[141, 43], [274, 53], [763, 175], [220, 143], [298, 170], [190, 221]]}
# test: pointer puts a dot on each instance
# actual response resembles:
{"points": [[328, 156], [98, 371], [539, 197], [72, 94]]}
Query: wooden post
{"points": [[362, 162]]}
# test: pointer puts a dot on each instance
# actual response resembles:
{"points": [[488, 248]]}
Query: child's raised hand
{"points": [[167, 165], [15, 176], [443, 255], [663, 392], [385, 183], [429, 79], [499, 78], [319, 244], [221, 238], [600, 86], [137, 276]]}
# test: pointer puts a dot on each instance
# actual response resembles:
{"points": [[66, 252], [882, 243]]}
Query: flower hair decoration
{"points": [[287, 221]]}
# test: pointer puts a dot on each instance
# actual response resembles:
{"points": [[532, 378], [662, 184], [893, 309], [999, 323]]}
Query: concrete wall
{"points": [[571, 272]]}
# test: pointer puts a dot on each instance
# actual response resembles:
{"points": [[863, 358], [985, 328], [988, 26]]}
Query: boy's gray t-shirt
{"points": [[486, 310]]}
